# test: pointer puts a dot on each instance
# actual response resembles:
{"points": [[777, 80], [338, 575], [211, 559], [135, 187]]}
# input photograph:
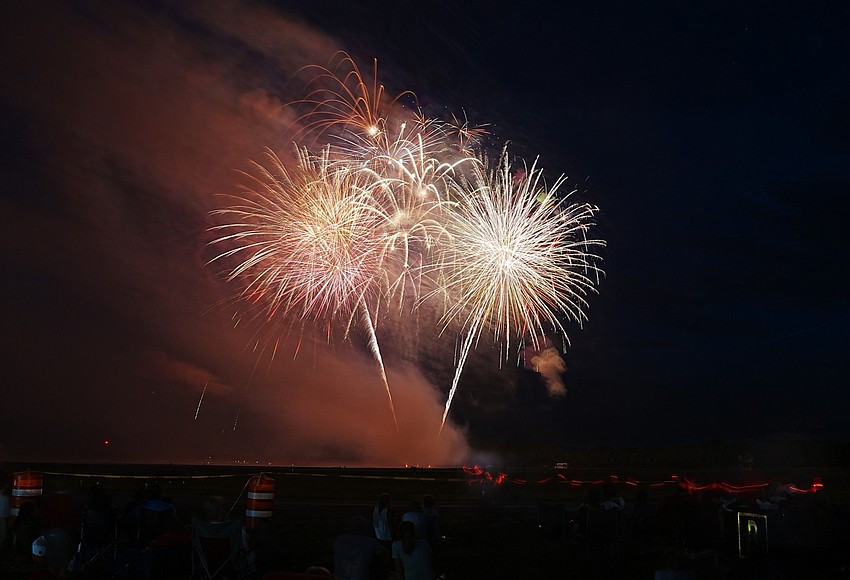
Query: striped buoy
{"points": [[260, 500], [27, 487]]}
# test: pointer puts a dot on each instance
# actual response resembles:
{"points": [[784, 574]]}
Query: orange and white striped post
{"points": [[260, 500], [27, 487]]}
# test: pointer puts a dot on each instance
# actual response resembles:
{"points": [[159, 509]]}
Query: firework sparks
{"points": [[308, 242], [413, 206], [519, 259], [308, 238], [344, 106], [518, 255], [393, 205]]}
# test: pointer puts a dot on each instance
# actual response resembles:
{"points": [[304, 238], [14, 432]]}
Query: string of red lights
{"points": [[477, 475]]}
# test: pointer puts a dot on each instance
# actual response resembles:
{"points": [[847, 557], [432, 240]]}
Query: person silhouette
{"points": [[359, 556], [415, 514], [412, 556], [432, 520], [383, 520]]}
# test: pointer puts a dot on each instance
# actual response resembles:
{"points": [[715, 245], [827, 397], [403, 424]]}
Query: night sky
{"points": [[714, 137]]}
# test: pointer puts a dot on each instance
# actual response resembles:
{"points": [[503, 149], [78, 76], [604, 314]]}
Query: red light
{"points": [[106, 441]]}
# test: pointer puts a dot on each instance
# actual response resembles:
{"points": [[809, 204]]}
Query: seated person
{"points": [[24, 530], [673, 566], [412, 556], [359, 556], [156, 518], [612, 500], [416, 515], [775, 498]]}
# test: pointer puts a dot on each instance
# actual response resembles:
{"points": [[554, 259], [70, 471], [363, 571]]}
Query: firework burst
{"points": [[519, 260], [395, 203], [308, 244], [413, 204], [306, 237], [347, 107]]}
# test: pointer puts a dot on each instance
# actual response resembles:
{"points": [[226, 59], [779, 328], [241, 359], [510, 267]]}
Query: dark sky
{"points": [[714, 137]]}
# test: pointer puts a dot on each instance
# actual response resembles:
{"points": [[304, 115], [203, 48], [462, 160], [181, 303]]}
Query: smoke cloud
{"points": [[129, 121], [551, 367]]}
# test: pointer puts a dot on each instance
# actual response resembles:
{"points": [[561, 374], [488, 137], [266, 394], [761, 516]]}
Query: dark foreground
{"points": [[516, 526]]}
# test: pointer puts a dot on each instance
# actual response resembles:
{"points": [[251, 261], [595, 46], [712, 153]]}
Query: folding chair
{"points": [[153, 523], [217, 549], [137, 554], [97, 541]]}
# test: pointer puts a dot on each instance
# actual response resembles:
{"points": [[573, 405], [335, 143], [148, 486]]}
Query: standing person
{"points": [[432, 520], [412, 557], [593, 503], [383, 520]]}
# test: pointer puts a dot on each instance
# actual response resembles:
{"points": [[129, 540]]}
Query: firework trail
{"points": [[201, 400], [376, 352], [401, 210]]}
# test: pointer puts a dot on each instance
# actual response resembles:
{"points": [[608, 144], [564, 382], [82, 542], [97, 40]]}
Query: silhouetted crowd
{"points": [[695, 526]]}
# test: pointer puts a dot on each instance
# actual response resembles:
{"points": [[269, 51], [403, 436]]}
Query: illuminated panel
{"points": [[752, 535]]}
